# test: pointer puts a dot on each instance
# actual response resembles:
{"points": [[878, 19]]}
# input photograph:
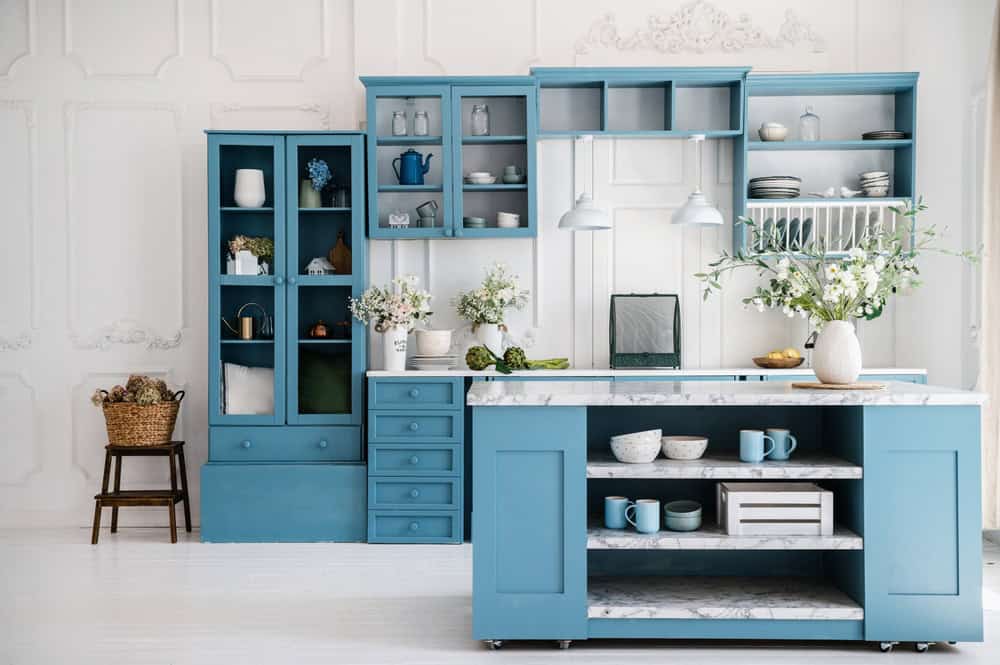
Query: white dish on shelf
{"points": [[481, 180], [683, 447], [772, 131], [636, 448], [433, 342], [508, 220]]}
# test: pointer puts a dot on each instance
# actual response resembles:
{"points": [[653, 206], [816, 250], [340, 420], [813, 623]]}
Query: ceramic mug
{"points": [[644, 515], [784, 443], [614, 512], [752, 445]]}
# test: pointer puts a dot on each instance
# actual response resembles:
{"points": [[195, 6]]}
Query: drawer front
{"points": [[396, 460], [425, 394], [283, 502], [414, 527], [407, 427], [407, 493], [284, 444]]}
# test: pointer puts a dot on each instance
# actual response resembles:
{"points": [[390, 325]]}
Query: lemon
{"points": [[775, 355], [791, 353]]}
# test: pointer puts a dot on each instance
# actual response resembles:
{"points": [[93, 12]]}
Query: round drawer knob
{"points": [[414, 526], [279, 280], [414, 460], [414, 426], [245, 444], [414, 493], [293, 281], [414, 393], [323, 443]]}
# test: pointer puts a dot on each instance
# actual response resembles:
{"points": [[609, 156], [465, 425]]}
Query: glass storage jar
{"points": [[480, 120], [399, 123], [809, 125], [420, 123]]}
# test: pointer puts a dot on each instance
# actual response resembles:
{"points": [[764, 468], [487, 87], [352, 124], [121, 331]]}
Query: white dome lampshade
{"points": [[585, 216], [697, 210]]}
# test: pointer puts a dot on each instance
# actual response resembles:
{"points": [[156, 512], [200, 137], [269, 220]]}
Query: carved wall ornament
{"points": [[125, 332], [698, 27]]}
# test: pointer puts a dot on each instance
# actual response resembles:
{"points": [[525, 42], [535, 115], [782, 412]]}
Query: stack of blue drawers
{"points": [[415, 469]]}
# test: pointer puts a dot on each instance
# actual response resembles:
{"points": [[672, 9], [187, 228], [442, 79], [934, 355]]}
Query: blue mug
{"points": [[614, 512], [644, 515], [784, 443], [752, 445]]}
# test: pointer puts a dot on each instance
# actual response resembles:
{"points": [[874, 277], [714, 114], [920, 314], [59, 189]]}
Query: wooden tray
{"points": [[772, 363], [859, 385]]}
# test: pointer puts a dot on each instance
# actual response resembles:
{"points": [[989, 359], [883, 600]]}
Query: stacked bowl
{"points": [[775, 187], [433, 347], [874, 184]]}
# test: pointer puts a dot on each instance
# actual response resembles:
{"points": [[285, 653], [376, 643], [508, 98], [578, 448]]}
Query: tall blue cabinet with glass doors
{"points": [[285, 460]]}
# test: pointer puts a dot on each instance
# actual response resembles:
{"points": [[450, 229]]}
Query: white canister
{"points": [[490, 335], [249, 190], [433, 342], [246, 263], [836, 357], [394, 349]]}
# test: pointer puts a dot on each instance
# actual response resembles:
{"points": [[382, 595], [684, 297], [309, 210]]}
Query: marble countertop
{"points": [[707, 393], [726, 467], [680, 373], [713, 537]]}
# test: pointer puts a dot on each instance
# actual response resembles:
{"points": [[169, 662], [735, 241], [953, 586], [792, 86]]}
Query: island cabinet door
{"points": [[529, 528], [922, 527]]}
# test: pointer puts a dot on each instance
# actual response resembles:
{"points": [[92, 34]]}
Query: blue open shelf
{"points": [[409, 140], [858, 144]]}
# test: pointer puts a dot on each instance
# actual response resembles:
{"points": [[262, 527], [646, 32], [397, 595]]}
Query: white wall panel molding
{"points": [[19, 445], [246, 37], [631, 157], [18, 189], [698, 27], [124, 225], [141, 36], [235, 115], [447, 14], [17, 34]]}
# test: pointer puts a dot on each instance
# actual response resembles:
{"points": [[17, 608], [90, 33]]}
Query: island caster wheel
{"points": [[952, 642], [886, 647], [564, 644], [920, 647], [493, 645]]}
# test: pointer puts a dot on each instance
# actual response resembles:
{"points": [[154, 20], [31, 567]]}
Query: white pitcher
{"points": [[836, 357]]}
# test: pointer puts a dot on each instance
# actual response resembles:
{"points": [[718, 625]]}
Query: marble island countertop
{"points": [[633, 373], [707, 393]]}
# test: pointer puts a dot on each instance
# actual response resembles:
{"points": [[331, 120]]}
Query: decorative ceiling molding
{"points": [[23, 339], [698, 27], [29, 41], [218, 111], [91, 72], [123, 331], [36, 462]]}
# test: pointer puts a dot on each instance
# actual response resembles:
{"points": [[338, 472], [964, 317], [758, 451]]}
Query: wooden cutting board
{"points": [[859, 385]]}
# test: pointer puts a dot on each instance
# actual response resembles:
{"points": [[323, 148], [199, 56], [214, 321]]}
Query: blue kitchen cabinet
{"points": [[297, 471]]}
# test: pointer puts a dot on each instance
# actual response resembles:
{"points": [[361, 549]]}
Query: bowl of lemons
{"points": [[784, 359]]}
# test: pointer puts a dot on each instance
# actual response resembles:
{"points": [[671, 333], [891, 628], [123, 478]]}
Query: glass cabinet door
{"points": [[325, 266], [409, 165], [493, 160], [246, 204]]}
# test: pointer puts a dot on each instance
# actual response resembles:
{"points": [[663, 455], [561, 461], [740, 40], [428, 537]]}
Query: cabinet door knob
{"points": [[279, 280], [293, 281], [414, 493], [323, 443], [246, 444], [414, 393], [414, 426], [448, 232], [414, 526], [414, 460]]}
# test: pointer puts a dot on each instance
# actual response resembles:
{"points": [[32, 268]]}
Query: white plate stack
{"points": [[775, 187], [874, 184], [432, 363], [884, 135]]}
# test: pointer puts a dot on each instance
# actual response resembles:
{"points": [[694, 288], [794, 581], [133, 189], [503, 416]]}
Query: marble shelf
{"points": [[775, 598], [725, 467], [713, 537]]}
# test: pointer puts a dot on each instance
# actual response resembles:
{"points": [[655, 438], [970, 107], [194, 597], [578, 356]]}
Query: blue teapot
{"points": [[412, 167]]}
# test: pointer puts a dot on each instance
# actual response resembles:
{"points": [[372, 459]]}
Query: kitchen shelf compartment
{"points": [[711, 536], [726, 467]]}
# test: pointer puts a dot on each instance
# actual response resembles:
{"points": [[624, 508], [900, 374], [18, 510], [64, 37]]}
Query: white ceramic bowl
{"points": [[684, 447], [479, 174], [865, 175], [433, 342], [640, 448], [772, 132], [508, 220]]}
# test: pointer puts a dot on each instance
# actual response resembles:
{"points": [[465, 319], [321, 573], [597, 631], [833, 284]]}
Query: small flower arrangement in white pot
{"points": [[832, 289], [485, 307], [395, 310]]}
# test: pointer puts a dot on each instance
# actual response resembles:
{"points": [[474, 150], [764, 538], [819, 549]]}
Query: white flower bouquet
{"points": [[401, 304], [499, 292]]}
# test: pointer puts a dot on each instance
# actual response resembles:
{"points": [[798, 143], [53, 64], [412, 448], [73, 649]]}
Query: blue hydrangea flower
{"points": [[319, 173]]}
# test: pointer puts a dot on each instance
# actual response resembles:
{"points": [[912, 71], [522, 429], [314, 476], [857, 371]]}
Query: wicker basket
{"points": [[131, 424]]}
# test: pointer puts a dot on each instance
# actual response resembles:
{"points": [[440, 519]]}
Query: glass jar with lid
{"points": [[480, 120], [421, 124], [399, 123], [809, 125]]}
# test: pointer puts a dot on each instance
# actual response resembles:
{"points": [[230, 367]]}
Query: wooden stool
{"points": [[119, 497]]}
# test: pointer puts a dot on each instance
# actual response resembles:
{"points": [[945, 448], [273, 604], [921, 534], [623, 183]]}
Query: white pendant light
{"points": [[697, 210], [586, 215]]}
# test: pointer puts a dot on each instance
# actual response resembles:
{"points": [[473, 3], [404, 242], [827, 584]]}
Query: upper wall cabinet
{"points": [[427, 135]]}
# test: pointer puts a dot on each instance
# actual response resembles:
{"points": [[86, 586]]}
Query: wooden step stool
{"points": [[166, 497]]}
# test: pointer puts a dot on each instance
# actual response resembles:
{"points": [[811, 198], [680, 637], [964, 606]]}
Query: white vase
{"points": [[309, 197], [249, 191], [836, 357], [490, 335], [394, 349]]}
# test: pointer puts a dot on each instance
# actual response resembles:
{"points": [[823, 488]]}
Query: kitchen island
{"points": [[903, 562]]}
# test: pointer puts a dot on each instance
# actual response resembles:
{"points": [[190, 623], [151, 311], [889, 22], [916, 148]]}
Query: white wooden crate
{"points": [[775, 509]]}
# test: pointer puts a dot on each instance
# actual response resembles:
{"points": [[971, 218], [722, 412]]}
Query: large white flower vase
{"points": [[490, 335], [394, 349], [836, 357]]}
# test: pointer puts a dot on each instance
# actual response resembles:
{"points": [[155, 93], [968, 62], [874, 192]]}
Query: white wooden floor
{"points": [[138, 600]]}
